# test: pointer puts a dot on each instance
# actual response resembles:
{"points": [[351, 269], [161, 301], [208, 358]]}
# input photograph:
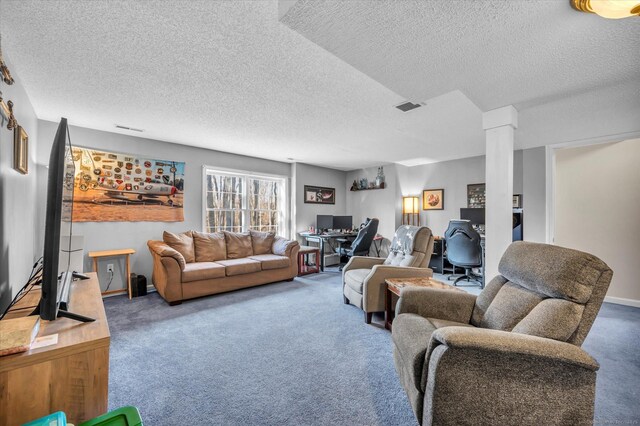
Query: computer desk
{"points": [[321, 239]]}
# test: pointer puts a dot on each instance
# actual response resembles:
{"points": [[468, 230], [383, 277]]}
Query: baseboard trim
{"points": [[623, 301]]}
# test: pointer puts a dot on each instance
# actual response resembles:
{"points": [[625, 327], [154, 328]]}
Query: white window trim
{"points": [[206, 169]]}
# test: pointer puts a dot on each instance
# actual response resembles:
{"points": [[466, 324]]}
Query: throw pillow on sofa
{"points": [[262, 242], [182, 243], [238, 244], [210, 247]]}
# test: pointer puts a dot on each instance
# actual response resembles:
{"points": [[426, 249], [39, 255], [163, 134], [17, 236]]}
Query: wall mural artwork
{"points": [[114, 187]]}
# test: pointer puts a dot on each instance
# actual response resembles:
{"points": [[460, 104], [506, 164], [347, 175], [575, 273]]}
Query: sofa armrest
{"points": [[283, 247], [438, 303], [362, 262], [163, 250], [500, 343]]}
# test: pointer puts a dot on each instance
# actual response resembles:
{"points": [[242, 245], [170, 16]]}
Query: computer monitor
{"points": [[475, 216], [342, 222], [324, 221]]}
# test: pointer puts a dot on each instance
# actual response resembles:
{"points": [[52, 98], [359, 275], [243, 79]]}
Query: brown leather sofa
{"points": [[194, 264]]}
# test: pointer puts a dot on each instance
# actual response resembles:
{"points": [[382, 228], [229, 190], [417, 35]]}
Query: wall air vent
{"points": [[129, 128], [408, 106]]}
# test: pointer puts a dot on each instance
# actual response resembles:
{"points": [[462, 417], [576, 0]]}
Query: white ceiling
{"points": [[230, 76]]}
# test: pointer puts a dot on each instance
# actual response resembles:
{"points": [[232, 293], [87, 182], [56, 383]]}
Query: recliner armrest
{"points": [[438, 303], [362, 262], [504, 342]]}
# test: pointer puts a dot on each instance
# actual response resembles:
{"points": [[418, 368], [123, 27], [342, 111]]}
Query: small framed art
{"points": [[319, 195], [433, 199], [21, 150]]}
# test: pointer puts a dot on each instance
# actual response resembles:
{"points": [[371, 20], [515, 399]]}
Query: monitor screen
{"points": [[324, 221], [342, 222], [475, 216]]}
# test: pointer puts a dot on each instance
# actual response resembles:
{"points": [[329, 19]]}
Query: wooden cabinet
{"points": [[70, 376]]}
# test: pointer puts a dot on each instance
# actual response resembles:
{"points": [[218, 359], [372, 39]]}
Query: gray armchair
{"points": [[363, 277], [511, 355]]}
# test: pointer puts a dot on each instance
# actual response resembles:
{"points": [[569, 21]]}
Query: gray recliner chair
{"points": [[511, 355], [363, 277]]}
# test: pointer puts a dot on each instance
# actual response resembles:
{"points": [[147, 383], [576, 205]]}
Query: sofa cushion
{"points": [[238, 244], [411, 334], [272, 261], [355, 277], [240, 266], [262, 242], [210, 247], [439, 323], [182, 243], [197, 271]]}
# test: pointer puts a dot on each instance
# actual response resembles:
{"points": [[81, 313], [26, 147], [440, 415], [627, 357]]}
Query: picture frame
{"points": [[21, 150], [319, 195], [517, 201], [476, 195], [433, 199]]}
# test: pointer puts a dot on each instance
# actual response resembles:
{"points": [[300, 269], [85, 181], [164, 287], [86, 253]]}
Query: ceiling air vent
{"points": [[408, 106], [128, 128]]}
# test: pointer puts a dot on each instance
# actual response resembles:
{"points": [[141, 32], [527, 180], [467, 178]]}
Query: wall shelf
{"points": [[367, 189]]}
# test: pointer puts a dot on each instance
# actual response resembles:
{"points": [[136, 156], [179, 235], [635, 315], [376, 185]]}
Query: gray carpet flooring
{"points": [[292, 353]]}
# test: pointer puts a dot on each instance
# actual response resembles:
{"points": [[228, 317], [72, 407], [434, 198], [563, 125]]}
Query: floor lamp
{"points": [[411, 211]]}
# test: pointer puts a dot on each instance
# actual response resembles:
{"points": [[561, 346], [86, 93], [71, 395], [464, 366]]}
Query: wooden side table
{"points": [[95, 255], [395, 286], [303, 266]]}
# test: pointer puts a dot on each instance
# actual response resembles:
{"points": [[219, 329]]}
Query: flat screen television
{"points": [[56, 280]]}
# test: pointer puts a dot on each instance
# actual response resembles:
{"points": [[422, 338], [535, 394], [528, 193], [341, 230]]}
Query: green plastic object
{"points": [[124, 416], [56, 419]]}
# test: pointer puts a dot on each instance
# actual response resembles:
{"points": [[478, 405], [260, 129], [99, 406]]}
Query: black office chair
{"points": [[361, 245], [464, 250]]}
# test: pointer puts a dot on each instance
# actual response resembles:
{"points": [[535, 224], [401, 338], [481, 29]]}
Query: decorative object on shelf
{"points": [[611, 9], [364, 183], [21, 150], [4, 70], [380, 178], [517, 201], [476, 195], [354, 185], [319, 195], [433, 199], [411, 210]]}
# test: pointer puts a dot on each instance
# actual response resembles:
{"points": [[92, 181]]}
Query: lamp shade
{"points": [[612, 9], [410, 205]]}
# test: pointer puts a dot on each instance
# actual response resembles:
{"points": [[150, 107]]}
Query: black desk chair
{"points": [[361, 245], [464, 250]]}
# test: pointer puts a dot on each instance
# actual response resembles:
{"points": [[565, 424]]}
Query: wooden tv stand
{"points": [[70, 376]]}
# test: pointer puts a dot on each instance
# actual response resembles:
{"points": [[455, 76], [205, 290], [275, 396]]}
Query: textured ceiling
{"points": [[496, 52], [231, 76]]}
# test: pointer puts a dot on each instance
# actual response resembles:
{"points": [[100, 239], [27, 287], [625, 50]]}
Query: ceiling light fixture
{"points": [[611, 9]]}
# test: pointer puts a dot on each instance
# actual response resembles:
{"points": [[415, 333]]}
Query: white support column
{"points": [[499, 125]]}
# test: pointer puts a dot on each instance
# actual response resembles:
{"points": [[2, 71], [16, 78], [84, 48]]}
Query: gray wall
{"points": [[112, 235], [378, 203], [17, 197], [534, 200], [305, 174]]}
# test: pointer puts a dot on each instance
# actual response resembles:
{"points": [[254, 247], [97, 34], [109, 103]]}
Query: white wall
{"points": [[305, 174], [112, 235], [18, 202], [597, 209], [534, 202]]}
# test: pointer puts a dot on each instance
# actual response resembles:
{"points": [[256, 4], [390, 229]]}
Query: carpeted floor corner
{"points": [[292, 353]]}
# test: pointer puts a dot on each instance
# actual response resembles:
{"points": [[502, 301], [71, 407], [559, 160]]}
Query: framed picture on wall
{"points": [[21, 150], [517, 201], [476, 195], [319, 195], [433, 199]]}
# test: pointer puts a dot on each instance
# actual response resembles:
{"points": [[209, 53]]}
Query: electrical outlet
{"points": [[110, 267]]}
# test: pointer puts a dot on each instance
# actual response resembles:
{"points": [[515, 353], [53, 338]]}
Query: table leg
{"points": [[387, 309], [321, 254], [128, 277], [95, 264]]}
